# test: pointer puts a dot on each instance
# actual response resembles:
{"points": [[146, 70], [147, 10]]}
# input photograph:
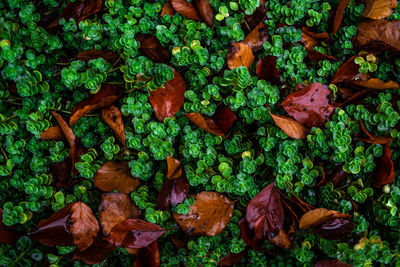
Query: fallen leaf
{"points": [[107, 95], [204, 122], [240, 55], [61, 172], [151, 47], [375, 83], [316, 56], [78, 11], [379, 9], [205, 11], [110, 56], [224, 118], [53, 133], [338, 176], [8, 234], [379, 35], [266, 70], [175, 168], [84, 226], [168, 9], [231, 259], [115, 176], [308, 41], [384, 173], [335, 229], [338, 19], [167, 100], [209, 215], [134, 233], [281, 240], [373, 139], [96, 253], [319, 216], [257, 37], [264, 213], [186, 9], [315, 35], [348, 71], [115, 208], [148, 256], [173, 192], [289, 126], [248, 236], [112, 116], [178, 243], [258, 15], [331, 263], [311, 106]]}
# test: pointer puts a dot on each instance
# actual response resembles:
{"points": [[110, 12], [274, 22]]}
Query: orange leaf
{"points": [[115, 176], [282, 240], [257, 37], [375, 83], [291, 127], [337, 21], [317, 217], [204, 122], [175, 169], [373, 139], [168, 9], [240, 55], [112, 116], [209, 215], [185, 9], [308, 41], [379, 9], [53, 133], [204, 9], [151, 47]]}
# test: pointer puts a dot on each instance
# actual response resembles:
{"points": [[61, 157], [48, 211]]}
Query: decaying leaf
{"points": [[53, 133], [110, 56], [175, 168], [209, 215], [151, 47], [375, 83], [148, 256], [348, 71], [96, 253], [168, 9], [115, 176], [115, 208], [379, 9], [319, 216], [134, 233], [311, 106], [112, 116], [185, 9], [8, 234], [167, 100], [257, 37], [205, 11], [291, 127], [282, 240], [267, 70], [107, 95], [335, 229], [240, 55], [337, 21]]}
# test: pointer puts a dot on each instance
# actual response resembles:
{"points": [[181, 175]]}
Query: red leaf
{"points": [[311, 106], [148, 256], [110, 56], [338, 176], [384, 173], [112, 116], [247, 235], [316, 56], [168, 100], [204, 9], [264, 213], [335, 229], [185, 9], [337, 22], [8, 235], [134, 233], [231, 259], [348, 71], [267, 70], [331, 263], [240, 54], [173, 192], [168, 9], [61, 172], [107, 95], [96, 253], [224, 118], [151, 47], [78, 10]]}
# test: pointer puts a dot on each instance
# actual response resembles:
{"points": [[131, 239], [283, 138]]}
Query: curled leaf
{"points": [[110, 56], [53, 133], [240, 55], [168, 9], [282, 240], [112, 116], [248, 236], [291, 127], [134, 233], [335, 229], [115, 176], [209, 215], [319, 216], [96, 253], [175, 168], [8, 234], [151, 47], [379, 9], [115, 208], [107, 95], [338, 19], [373, 139], [186, 9], [148, 256], [167, 100], [205, 11], [384, 173], [267, 70]]}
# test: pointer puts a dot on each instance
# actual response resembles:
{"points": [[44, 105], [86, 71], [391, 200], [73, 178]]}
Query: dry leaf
{"points": [[209, 215], [151, 47], [53, 133], [112, 116], [331, 263], [337, 21], [168, 9], [258, 15], [375, 83], [172, 193], [379, 9], [240, 55], [319, 216], [185, 9], [175, 168], [316, 56], [373, 139], [257, 37], [231, 259], [205, 11], [291, 127]]}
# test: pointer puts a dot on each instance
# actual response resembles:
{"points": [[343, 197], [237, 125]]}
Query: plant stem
{"points": [[4, 153]]}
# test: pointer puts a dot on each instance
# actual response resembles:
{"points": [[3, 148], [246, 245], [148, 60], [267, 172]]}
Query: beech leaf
{"points": [[311, 106], [348, 71], [53, 133], [319, 216], [186, 9], [115, 208], [168, 9], [338, 19], [240, 55], [379, 9], [266, 70], [107, 95], [112, 116], [148, 256], [134, 233], [375, 83], [110, 56], [335, 229], [96, 253], [167, 100], [209, 214], [291, 127], [205, 11], [115, 176], [151, 47]]}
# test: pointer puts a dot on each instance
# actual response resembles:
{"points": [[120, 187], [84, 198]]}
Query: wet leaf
{"points": [[379, 9], [231, 259], [110, 56], [186, 9], [209, 215], [282, 240], [348, 71], [115, 208], [335, 229], [115, 176], [248, 236], [84, 227], [134, 233], [168, 100], [175, 168], [168, 9], [205, 11], [257, 37], [311, 106], [384, 173], [96, 253], [267, 70], [173, 192], [338, 19], [240, 55], [112, 116], [8, 234], [224, 118], [53, 133], [331, 263], [107, 95], [378, 35], [319, 216], [151, 47], [148, 256], [78, 10], [264, 213], [291, 127]]}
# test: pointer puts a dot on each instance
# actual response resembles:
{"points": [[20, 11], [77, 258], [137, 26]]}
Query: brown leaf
{"points": [[373, 139], [338, 176], [319, 216], [379, 9], [291, 127], [78, 10], [248, 236], [96, 253], [267, 70], [348, 71], [110, 56], [384, 173], [148, 256], [168, 9], [151, 47], [335, 229], [281, 240], [53, 133], [378, 35], [209, 215], [84, 227], [258, 15], [112, 116], [311, 106], [205, 11], [175, 168], [337, 22], [186, 9], [115, 208], [115, 176], [319, 35], [134, 233], [264, 213], [257, 37], [61, 172], [308, 41], [173, 192], [107, 95], [331, 263], [178, 243], [167, 100], [231, 259], [316, 56], [8, 235], [375, 83], [204, 122], [240, 55]]}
